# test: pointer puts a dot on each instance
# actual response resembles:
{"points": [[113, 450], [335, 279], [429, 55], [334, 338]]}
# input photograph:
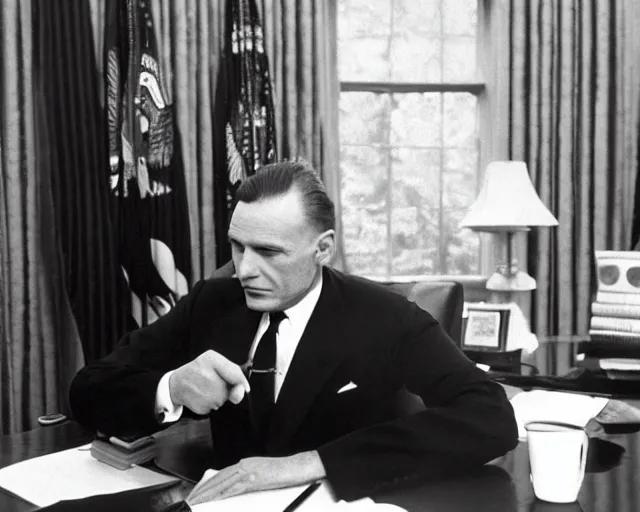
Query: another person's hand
{"points": [[258, 474], [207, 382]]}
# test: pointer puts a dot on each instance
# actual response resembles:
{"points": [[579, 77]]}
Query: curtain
{"points": [[71, 134], [301, 42], [573, 118], [40, 348]]}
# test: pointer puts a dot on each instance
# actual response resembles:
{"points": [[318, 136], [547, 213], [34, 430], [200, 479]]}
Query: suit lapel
{"points": [[319, 351]]}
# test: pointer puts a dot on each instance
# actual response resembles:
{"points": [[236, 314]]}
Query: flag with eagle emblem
{"points": [[146, 169], [244, 114]]}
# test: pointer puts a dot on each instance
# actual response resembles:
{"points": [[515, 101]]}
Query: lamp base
{"points": [[518, 281]]}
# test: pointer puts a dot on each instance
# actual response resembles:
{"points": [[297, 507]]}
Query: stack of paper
{"points": [[540, 405], [73, 474]]}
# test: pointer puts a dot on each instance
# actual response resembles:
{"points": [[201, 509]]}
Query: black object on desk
{"points": [[304, 495], [580, 380], [503, 361], [159, 498]]}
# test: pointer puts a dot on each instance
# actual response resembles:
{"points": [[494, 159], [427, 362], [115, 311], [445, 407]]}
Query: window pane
{"points": [[364, 188], [416, 120], [416, 58], [414, 214], [363, 175], [459, 59], [358, 18], [364, 59], [364, 118], [420, 17], [460, 17], [460, 120], [460, 245]]}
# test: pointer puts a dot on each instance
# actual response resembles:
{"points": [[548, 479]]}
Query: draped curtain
{"points": [[39, 343], [573, 117], [301, 40]]}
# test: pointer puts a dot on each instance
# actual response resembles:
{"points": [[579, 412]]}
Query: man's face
{"points": [[274, 250]]}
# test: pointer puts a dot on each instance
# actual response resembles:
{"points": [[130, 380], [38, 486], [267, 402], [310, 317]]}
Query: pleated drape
{"points": [[574, 98], [39, 344], [301, 42], [72, 140]]}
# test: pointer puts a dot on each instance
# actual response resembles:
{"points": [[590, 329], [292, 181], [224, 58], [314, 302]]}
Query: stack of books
{"points": [[614, 328], [123, 453]]}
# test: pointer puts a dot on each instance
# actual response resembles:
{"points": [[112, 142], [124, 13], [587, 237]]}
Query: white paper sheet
{"points": [[73, 474], [541, 405], [277, 500]]}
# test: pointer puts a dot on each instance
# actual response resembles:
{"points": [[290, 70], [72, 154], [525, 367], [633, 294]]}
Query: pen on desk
{"points": [[302, 497]]}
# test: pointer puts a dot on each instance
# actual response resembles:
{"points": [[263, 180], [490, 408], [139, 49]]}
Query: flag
{"points": [[146, 171], [244, 113]]}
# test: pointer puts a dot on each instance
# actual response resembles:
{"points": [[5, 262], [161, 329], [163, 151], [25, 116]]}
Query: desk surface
{"points": [[612, 482]]}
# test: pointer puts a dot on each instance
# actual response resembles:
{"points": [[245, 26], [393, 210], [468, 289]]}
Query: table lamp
{"points": [[508, 203]]}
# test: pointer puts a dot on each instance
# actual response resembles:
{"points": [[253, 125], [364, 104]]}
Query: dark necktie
{"points": [[263, 375]]}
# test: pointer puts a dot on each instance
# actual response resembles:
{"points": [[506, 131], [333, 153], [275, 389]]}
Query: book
{"points": [[623, 364], [615, 337], [617, 298], [614, 347], [606, 323], [615, 310], [618, 271], [122, 457]]}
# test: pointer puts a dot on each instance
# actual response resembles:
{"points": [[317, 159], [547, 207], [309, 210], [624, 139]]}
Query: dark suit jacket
{"points": [[359, 332]]}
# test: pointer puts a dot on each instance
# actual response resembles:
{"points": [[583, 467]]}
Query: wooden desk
{"points": [[612, 482]]}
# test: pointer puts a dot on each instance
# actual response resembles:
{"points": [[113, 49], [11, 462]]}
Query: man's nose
{"points": [[246, 267]]}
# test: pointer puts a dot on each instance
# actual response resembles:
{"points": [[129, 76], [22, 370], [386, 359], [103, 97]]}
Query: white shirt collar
{"points": [[300, 313]]}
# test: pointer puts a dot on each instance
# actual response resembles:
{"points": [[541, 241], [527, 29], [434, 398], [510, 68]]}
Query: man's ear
{"points": [[326, 247]]}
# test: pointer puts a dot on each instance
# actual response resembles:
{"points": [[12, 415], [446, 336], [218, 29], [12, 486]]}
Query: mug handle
{"points": [[583, 458]]}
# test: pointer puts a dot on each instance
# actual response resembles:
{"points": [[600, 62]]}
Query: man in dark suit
{"points": [[330, 354]]}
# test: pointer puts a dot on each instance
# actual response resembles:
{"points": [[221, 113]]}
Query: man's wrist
{"points": [[309, 464], [167, 410]]}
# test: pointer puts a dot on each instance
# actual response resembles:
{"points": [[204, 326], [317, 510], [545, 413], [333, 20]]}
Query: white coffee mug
{"points": [[558, 457]]}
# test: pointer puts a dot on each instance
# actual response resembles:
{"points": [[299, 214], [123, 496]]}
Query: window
{"points": [[409, 135]]}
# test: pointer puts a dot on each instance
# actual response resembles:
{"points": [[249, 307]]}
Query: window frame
{"points": [[480, 89]]}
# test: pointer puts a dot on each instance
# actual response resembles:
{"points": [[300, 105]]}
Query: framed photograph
{"points": [[485, 327]]}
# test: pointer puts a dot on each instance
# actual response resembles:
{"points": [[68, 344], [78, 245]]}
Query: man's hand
{"points": [[258, 474], [207, 382]]}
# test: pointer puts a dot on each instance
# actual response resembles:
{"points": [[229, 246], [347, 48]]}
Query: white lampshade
{"points": [[507, 201]]}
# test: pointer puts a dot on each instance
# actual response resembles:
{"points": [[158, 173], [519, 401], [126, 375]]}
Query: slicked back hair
{"points": [[277, 179]]}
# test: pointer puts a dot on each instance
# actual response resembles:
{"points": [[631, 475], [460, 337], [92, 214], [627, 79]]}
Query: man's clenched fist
{"points": [[207, 382]]}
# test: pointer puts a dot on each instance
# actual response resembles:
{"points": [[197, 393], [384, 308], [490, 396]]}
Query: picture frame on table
{"points": [[486, 327]]}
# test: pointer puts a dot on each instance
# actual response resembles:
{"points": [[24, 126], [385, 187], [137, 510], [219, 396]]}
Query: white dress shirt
{"points": [[287, 339]]}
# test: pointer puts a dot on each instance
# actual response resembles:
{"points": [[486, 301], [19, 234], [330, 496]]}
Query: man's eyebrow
{"points": [[259, 244]]}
